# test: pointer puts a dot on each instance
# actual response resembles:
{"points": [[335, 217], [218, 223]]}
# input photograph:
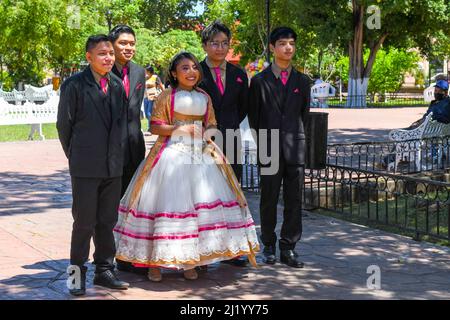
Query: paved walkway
{"points": [[362, 125], [35, 225]]}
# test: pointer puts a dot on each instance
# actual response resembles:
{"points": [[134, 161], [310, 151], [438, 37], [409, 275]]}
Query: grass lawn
{"points": [[405, 102], [21, 132], [396, 214]]}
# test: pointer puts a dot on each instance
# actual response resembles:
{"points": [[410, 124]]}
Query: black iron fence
{"points": [[416, 206], [406, 157], [250, 171], [363, 183]]}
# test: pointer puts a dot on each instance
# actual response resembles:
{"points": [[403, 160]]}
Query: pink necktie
{"points": [[103, 83], [126, 81], [219, 80], [284, 77]]}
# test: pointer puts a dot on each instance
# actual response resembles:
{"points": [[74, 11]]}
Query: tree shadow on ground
{"points": [[357, 135], [336, 255], [28, 193]]}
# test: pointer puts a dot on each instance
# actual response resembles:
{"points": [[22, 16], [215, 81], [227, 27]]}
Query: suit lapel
{"points": [[115, 110], [271, 82], [116, 71], [97, 99], [292, 85], [133, 76], [212, 86], [230, 80]]}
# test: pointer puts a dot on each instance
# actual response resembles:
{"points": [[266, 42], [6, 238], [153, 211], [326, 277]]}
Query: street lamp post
{"points": [[268, 30], [109, 19]]}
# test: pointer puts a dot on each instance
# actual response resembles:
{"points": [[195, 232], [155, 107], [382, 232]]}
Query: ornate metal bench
{"points": [[321, 92], [410, 142]]}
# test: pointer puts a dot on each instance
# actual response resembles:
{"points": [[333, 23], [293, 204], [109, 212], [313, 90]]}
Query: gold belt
{"points": [[185, 117]]}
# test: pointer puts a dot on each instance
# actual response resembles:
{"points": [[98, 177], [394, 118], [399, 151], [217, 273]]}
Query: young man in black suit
{"points": [[228, 87], [123, 39], [279, 103], [90, 122], [133, 79]]}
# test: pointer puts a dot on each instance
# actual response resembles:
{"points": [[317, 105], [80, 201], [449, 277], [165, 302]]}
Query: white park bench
{"points": [[410, 142], [428, 93], [321, 92], [16, 97], [34, 94], [29, 113]]}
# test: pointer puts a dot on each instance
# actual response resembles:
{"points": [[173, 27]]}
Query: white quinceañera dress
{"points": [[187, 214]]}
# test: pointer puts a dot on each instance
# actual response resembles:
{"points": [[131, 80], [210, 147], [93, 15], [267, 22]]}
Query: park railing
{"points": [[250, 171], [358, 186], [425, 155], [418, 207]]}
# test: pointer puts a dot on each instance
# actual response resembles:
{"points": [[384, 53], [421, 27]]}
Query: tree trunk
{"points": [[358, 73], [357, 85], [319, 63]]}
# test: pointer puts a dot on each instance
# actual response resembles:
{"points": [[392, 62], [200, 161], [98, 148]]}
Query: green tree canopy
{"points": [[164, 15], [247, 19], [389, 69], [349, 25], [158, 49]]}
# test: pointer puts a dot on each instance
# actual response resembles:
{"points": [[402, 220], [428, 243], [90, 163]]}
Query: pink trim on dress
{"points": [[179, 215], [147, 236], [212, 205], [209, 227], [172, 103], [182, 236], [144, 215], [158, 122], [158, 156]]}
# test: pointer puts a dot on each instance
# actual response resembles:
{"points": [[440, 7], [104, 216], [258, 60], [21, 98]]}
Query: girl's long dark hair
{"points": [[174, 63]]}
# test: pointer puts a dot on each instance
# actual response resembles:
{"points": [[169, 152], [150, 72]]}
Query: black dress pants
{"points": [[94, 209], [292, 177]]}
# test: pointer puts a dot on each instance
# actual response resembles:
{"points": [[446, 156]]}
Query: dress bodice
{"points": [[190, 103], [189, 107]]}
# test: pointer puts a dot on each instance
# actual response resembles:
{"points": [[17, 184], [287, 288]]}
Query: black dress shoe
{"points": [[269, 255], [81, 291], [237, 262], [289, 257], [109, 279]]}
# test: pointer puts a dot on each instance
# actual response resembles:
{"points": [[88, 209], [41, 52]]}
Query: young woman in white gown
{"points": [[184, 207]]}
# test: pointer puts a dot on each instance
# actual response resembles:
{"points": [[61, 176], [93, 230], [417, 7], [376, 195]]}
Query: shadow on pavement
{"points": [[27, 193]]}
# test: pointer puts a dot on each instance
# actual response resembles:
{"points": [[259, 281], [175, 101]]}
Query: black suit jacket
{"points": [[231, 107], [90, 134], [268, 111], [133, 139]]}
